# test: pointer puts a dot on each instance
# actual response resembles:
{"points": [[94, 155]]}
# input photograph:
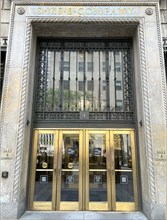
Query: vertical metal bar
{"points": [[134, 169], [130, 81], [87, 186], [53, 93], [99, 84], [112, 165], [107, 80], [123, 79], [108, 169], [115, 78], [54, 142], [61, 78], [84, 79], [92, 82], [59, 168], [69, 79], [76, 93], [45, 83], [81, 170]]}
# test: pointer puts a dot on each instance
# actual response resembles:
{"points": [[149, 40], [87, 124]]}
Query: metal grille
{"points": [[165, 53], [3, 55], [89, 80]]}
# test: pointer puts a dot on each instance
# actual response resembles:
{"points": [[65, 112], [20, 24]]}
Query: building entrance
{"points": [[83, 169]]}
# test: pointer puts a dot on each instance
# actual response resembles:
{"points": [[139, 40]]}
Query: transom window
{"points": [[84, 76]]}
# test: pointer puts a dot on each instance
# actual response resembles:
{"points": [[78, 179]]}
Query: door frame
{"points": [[83, 193]]}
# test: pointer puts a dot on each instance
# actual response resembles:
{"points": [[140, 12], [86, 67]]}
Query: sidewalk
{"points": [[80, 215]]}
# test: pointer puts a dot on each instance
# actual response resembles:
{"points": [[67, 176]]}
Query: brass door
{"points": [[83, 170]]}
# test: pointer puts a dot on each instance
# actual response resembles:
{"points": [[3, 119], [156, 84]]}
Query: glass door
{"points": [[84, 170], [123, 168], [111, 182], [70, 170], [44, 163], [97, 176]]}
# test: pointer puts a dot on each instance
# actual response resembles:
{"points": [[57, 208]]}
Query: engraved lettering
{"points": [[107, 10], [60, 11], [131, 11], [80, 11], [161, 152], [88, 11], [113, 12], [122, 11], [69, 11]]}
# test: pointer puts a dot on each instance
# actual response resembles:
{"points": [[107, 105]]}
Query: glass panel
{"points": [[66, 81], [69, 184], [124, 186], [97, 186], [81, 85], [43, 186], [74, 96], [123, 168], [116, 80], [52, 98], [44, 167], [84, 76], [70, 168], [89, 90], [97, 168]]}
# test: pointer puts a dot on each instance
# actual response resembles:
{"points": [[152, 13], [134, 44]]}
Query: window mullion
{"points": [[61, 80], [107, 81], [84, 79]]}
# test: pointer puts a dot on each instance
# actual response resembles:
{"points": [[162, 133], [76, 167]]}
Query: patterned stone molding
{"points": [[86, 3], [6, 76], [163, 80], [20, 136], [148, 139]]}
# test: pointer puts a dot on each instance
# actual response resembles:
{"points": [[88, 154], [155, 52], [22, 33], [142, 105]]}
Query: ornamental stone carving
{"points": [[21, 11], [149, 11]]}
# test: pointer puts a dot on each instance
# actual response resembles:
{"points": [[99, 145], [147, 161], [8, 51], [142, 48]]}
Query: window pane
{"points": [[84, 76], [123, 168]]}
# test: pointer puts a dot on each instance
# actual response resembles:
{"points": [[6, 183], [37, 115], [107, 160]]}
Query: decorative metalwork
{"points": [[3, 56], [165, 53], [84, 76]]}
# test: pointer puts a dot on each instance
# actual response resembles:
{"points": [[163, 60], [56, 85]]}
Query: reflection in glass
{"points": [[44, 161], [123, 153], [45, 151], [43, 186], [75, 79], [70, 168], [69, 184], [97, 168], [123, 166], [124, 186], [97, 186]]}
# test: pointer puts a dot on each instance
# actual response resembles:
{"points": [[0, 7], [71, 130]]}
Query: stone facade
{"points": [[139, 20]]}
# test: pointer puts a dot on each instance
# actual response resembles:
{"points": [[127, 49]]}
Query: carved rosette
{"points": [[149, 11], [21, 11]]}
